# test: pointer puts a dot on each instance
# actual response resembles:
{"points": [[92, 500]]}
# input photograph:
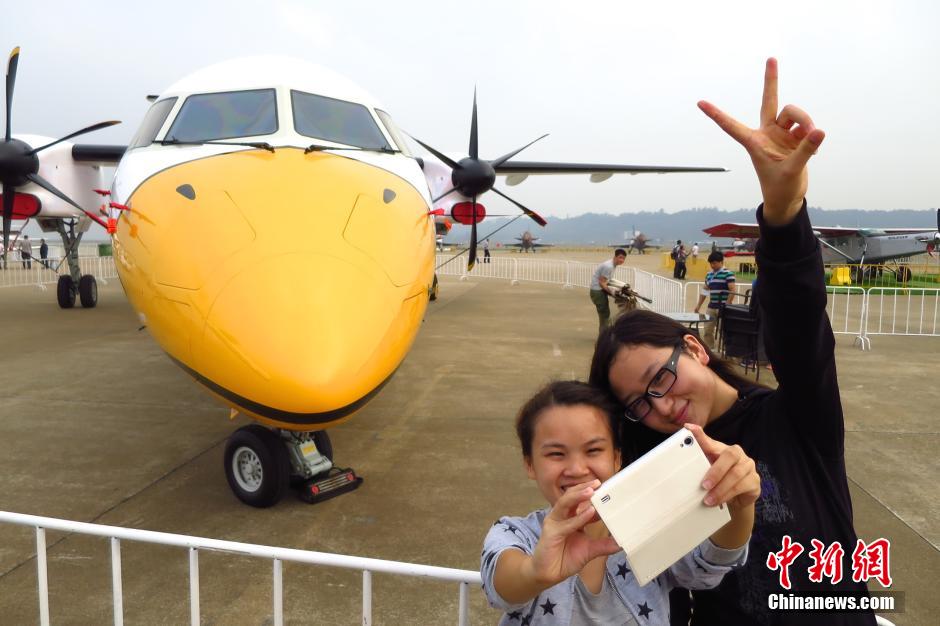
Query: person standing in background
{"points": [[719, 288], [26, 252], [599, 294], [681, 256]]}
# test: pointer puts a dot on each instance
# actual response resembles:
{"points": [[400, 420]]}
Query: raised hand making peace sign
{"points": [[779, 148]]}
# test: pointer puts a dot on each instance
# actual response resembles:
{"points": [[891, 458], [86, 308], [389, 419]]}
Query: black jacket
{"points": [[796, 435]]}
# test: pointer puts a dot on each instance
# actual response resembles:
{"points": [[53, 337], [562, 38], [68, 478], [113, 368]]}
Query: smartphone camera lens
{"points": [[688, 441]]}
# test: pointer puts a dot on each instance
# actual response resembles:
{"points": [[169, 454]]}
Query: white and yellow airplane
{"points": [[277, 239]]}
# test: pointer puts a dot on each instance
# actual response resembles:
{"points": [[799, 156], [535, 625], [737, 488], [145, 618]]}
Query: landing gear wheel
{"points": [[88, 291], [434, 289], [904, 274], [257, 466], [324, 445], [65, 292]]}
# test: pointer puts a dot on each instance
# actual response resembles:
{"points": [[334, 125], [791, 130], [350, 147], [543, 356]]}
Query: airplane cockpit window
{"points": [[392, 129], [153, 122], [344, 122], [210, 116]]}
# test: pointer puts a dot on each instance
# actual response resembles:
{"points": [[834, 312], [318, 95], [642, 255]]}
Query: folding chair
{"points": [[741, 337]]}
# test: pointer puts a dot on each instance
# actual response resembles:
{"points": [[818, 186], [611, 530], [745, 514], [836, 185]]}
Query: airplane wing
{"points": [[736, 231], [531, 245], [751, 231], [518, 171], [892, 231], [97, 154]]}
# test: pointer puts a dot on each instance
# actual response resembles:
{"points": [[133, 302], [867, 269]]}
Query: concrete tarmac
{"points": [[98, 425]]}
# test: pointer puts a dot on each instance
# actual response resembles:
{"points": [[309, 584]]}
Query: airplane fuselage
{"points": [[291, 284], [874, 249]]}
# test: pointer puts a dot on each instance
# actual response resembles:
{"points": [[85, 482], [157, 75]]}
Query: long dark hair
{"points": [[565, 393], [642, 327]]}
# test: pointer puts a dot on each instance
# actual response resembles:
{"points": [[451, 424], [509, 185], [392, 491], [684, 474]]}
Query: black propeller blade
{"points": [[506, 157], [446, 159], [45, 184], [474, 151], [87, 129], [11, 82], [538, 219], [446, 193], [472, 259], [8, 196]]}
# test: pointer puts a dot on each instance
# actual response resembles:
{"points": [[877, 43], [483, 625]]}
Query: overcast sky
{"points": [[613, 82]]}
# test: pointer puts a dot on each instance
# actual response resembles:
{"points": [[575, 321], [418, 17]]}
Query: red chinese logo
{"points": [[868, 561], [872, 561], [826, 563], [783, 559]]}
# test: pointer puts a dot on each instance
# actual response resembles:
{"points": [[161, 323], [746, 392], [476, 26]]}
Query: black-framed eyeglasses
{"points": [[658, 387]]}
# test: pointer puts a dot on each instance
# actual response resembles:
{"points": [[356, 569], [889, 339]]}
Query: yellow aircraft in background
{"points": [[277, 239]]}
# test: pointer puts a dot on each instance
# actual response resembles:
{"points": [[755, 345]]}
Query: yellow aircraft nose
{"points": [[305, 338], [291, 285]]}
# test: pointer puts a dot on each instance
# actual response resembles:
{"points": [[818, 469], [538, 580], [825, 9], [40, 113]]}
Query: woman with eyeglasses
{"points": [[559, 565], [665, 377]]}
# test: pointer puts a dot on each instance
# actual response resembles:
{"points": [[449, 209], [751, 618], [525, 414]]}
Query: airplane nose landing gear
{"points": [[256, 466], [260, 464]]}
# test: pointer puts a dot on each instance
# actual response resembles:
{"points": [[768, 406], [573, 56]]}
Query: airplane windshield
{"points": [[152, 123], [394, 132], [226, 115], [343, 122]]}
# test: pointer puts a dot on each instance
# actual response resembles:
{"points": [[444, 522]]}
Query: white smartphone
{"points": [[654, 509]]}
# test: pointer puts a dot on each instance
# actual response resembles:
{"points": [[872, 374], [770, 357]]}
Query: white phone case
{"points": [[653, 507]]}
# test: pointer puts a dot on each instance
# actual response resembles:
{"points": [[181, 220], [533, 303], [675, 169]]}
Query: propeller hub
{"points": [[473, 177], [16, 162]]}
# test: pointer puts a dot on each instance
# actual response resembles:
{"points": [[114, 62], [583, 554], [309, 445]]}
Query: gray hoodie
{"points": [[703, 568]]}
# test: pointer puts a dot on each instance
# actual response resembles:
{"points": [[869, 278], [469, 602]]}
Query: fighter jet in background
{"points": [[527, 241]]}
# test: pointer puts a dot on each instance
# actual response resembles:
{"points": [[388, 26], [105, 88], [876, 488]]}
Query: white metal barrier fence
{"points": [[846, 307], [195, 544], [665, 292], [902, 311], [874, 311], [694, 289], [40, 275]]}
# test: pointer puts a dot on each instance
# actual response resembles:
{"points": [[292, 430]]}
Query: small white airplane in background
{"points": [[276, 236]]}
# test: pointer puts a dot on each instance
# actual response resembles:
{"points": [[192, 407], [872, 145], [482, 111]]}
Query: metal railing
{"points": [[876, 311], [923, 272], [40, 273], [694, 289], [194, 544], [902, 311], [846, 307], [665, 292]]}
